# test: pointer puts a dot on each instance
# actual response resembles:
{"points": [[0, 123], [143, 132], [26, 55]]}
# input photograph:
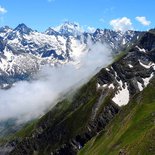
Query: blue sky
{"points": [[113, 14]]}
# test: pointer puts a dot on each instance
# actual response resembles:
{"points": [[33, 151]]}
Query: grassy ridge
{"points": [[132, 131]]}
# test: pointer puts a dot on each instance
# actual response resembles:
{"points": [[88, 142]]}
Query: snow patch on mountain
{"points": [[141, 49], [147, 80], [122, 96], [69, 28], [130, 65], [111, 86], [146, 65], [140, 86]]}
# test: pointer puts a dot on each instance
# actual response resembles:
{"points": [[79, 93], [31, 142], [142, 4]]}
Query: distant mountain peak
{"points": [[51, 31], [5, 29], [22, 28], [69, 29], [74, 24]]}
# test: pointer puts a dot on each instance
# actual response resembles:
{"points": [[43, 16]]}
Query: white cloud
{"points": [[28, 100], [143, 20], [121, 24], [2, 10], [91, 29]]}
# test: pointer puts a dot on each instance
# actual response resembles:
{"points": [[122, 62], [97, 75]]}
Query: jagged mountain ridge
{"points": [[24, 51], [66, 128]]}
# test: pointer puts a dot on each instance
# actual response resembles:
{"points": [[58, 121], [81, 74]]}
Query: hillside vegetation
{"points": [[132, 131]]}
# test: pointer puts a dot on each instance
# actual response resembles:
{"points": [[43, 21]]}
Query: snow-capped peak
{"points": [[23, 29], [4, 31], [69, 29], [51, 31]]}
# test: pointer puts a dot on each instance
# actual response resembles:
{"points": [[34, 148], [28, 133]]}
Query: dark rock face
{"points": [[148, 41], [93, 127], [2, 45], [52, 52], [53, 135], [23, 29]]}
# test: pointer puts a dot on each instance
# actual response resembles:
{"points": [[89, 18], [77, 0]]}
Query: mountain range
{"points": [[111, 114], [24, 51]]}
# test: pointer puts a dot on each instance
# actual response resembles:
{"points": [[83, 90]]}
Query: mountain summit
{"points": [[69, 29], [23, 29]]}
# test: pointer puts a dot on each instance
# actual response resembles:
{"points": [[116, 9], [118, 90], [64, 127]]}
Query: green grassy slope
{"points": [[74, 122], [131, 132]]}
